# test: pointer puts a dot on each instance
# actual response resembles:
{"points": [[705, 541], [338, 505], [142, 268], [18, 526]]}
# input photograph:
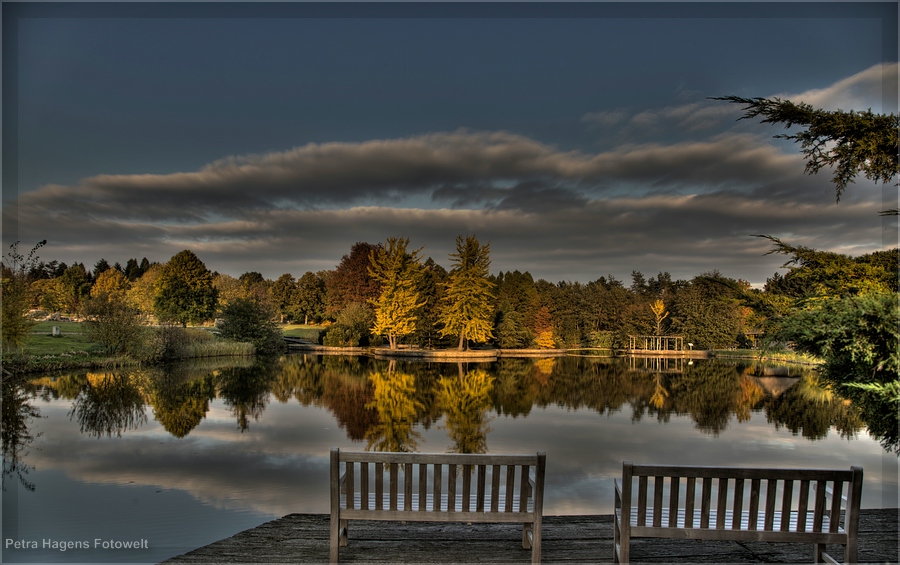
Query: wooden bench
{"points": [[425, 487], [764, 506]]}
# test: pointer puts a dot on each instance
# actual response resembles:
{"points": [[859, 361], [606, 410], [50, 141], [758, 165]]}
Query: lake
{"points": [[141, 465]]}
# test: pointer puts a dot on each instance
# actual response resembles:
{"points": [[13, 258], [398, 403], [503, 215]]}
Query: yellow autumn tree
{"points": [[397, 272], [659, 310]]}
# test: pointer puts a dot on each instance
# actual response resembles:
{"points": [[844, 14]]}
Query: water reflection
{"points": [[108, 404], [251, 438], [382, 402], [18, 412], [465, 400]]}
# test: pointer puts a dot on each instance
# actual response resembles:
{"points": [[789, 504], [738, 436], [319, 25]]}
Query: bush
{"points": [[162, 344], [113, 324], [248, 320], [352, 327], [857, 336]]}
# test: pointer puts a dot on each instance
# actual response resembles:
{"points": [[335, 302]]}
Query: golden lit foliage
{"points": [[394, 400], [465, 401], [659, 310], [398, 273], [112, 284]]}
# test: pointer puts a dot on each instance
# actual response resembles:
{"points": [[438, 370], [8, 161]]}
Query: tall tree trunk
{"points": [[462, 342]]}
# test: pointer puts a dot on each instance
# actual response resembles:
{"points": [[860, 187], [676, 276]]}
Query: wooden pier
{"points": [[303, 538]]}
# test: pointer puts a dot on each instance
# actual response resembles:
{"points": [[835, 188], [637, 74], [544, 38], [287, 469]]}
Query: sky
{"points": [[579, 140]]}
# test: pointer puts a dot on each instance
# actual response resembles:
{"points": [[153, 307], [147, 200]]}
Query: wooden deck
{"points": [[303, 538]]}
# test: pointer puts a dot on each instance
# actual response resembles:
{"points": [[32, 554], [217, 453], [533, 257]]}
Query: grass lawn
{"points": [[64, 327], [41, 341], [310, 333]]}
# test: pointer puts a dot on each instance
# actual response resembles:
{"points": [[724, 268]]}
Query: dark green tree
{"points": [[310, 297], [350, 281], [252, 321], [283, 293], [352, 326], [707, 312], [76, 287], [184, 291], [468, 310], [852, 142]]}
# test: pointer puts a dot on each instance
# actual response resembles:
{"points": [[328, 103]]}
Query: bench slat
{"points": [[674, 487], [836, 505], [423, 485], [451, 488], [722, 503], [804, 506], [689, 501], [705, 497], [495, 489], [642, 501], [482, 472], [771, 486], [435, 458], [743, 520], [742, 472], [379, 486]]}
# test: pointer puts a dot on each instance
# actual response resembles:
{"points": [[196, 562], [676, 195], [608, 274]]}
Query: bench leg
{"points": [[536, 542], [621, 542], [817, 553], [335, 541], [850, 555], [526, 538], [344, 532]]}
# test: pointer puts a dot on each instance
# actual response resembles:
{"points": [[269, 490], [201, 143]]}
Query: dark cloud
{"points": [[683, 207]]}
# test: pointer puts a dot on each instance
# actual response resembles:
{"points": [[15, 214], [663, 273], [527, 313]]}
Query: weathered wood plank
{"points": [[304, 538]]}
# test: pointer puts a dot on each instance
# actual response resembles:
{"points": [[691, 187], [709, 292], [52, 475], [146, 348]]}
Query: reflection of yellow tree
{"points": [[465, 401], [751, 395], [660, 394], [395, 402]]}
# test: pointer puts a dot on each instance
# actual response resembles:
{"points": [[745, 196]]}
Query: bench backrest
{"points": [[438, 482], [767, 499]]}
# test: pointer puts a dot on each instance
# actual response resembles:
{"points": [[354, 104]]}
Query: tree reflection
{"points": [[465, 401], [110, 403], [15, 433], [246, 391], [395, 401], [811, 409], [180, 401]]}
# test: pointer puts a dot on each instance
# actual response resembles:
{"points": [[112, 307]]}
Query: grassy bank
{"points": [[780, 356], [308, 333], [44, 352]]}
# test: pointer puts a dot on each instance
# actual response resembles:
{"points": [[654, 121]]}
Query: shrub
{"points": [[249, 320], [112, 323], [352, 327]]}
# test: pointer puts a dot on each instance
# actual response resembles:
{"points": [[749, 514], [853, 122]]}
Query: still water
{"points": [[139, 466]]}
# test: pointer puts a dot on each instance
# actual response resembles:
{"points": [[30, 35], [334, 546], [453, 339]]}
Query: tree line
{"points": [[386, 291]]}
